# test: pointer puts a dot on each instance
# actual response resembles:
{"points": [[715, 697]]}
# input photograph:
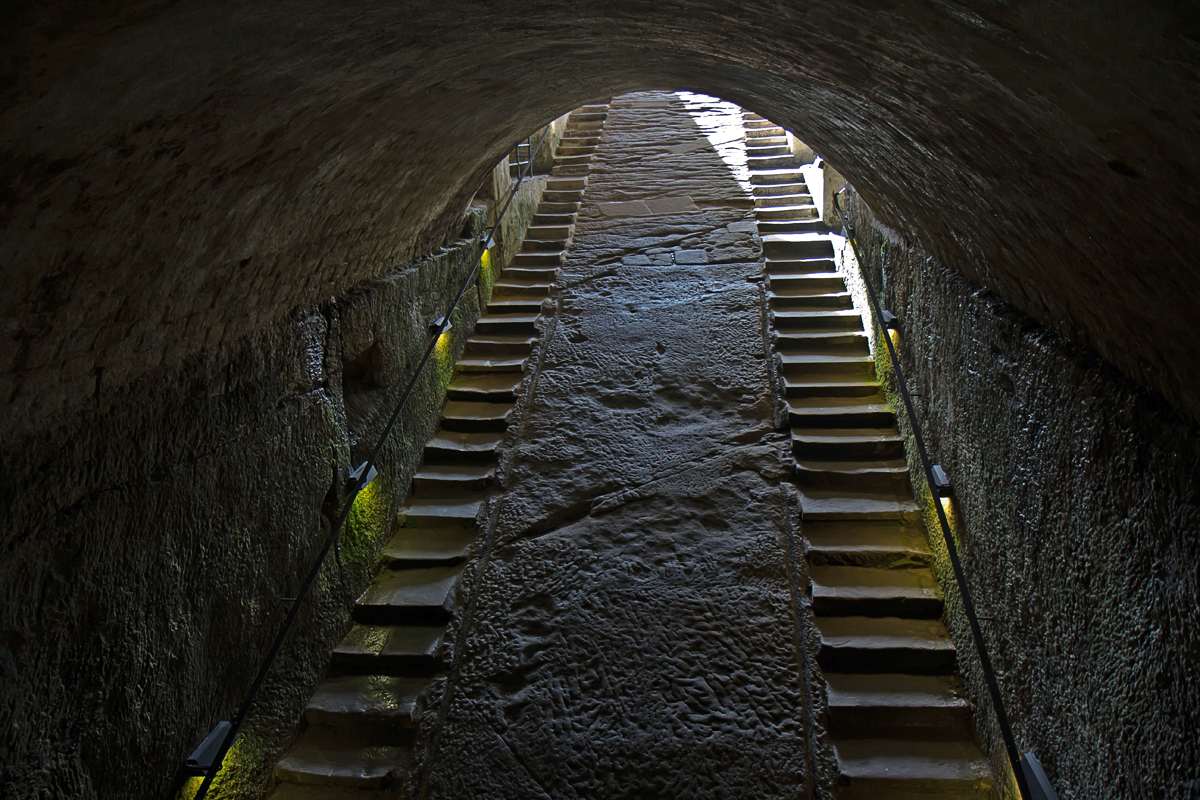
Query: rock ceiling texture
{"points": [[176, 175]]}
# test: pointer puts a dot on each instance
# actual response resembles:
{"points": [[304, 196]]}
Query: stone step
{"points": [[390, 649], [847, 321], [508, 288], [778, 268], [440, 512], [777, 201], [462, 416], [492, 324], [772, 189], [513, 304], [453, 447], [501, 345], [885, 645], [767, 177], [542, 246], [757, 123], [556, 218], [872, 592], [791, 246], [285, 790], [410, 547], [525, 274], [574, 157], [565, 184], [912, 707], [443, 479], [548, 207], [807, 226], [769, 149], [821, 505], [493, 364], [887, 769], [831, 368], [845, 412], [860, 475], [845, 343], [757, 162], [565, 197], [847, 443], [535, 260], [802, 301], [361, 703], [766, 140], [806, 388], [865, 543], [485, 387], [796, 212], [408, 596], [812, 282], [772, 131], [328, 758]]}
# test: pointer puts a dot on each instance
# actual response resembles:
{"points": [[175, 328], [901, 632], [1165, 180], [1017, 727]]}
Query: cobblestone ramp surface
{"points": [[629, 630]]}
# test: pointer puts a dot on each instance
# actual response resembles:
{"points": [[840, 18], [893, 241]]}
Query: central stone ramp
{"points": [[633, 631]]}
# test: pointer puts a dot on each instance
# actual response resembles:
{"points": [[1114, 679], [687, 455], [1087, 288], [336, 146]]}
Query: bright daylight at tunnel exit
{"points": [[829, 439]]}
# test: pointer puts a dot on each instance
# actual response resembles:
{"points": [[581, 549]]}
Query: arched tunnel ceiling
{"points": [[176, 175]]}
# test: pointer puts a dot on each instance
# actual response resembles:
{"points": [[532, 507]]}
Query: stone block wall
{"points": [[150, 541], [1077, 510]]}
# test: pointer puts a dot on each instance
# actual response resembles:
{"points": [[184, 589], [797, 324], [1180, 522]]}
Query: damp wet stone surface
{"points": [[626, 626]]}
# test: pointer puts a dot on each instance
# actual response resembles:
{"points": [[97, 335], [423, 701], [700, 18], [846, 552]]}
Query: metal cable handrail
{"points": [[226, 732], [936, 478]]}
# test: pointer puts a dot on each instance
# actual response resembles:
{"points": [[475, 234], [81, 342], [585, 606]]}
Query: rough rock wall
{"points": [[1077, 504], [148, 546]]}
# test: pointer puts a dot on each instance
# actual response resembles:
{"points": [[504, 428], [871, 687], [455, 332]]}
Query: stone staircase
{"points": [[359, 726], [897, 711]]}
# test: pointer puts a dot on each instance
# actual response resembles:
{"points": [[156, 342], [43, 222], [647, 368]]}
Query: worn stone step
{"points": [[786, 213], [861, 475], [767, 177], [513, 304], [441, 479], [781, 201], [767, 140], [556, 219], [885, 644], [805, 226], [757, 122], [579, 139], [485, 387], [515, 345], [571, 197], [558, 208], [770, 161], [535, 260], [844, 412], [768, 131], [796, 245], [491, 324], [491, 364], [891, 769], [768, 149], [390, 649], [804, 388], [457, 447], [872, 592], [359, 703], [328, 758], [812, 282], [817, 321], [541, 274], [508, 288], [441, 511], [408, 596], [913, 707], [799, 266], [580, 157], [769, 190], [542, 246], [286, 790], [822, 505], [803, 301], [474, 417], [866, 543], [566, 184], [831, 368], [857, 443], [424, 546], [853, 343]]}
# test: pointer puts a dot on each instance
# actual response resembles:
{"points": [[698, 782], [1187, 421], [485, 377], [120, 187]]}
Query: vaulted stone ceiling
{"points": [[176, 175]]}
